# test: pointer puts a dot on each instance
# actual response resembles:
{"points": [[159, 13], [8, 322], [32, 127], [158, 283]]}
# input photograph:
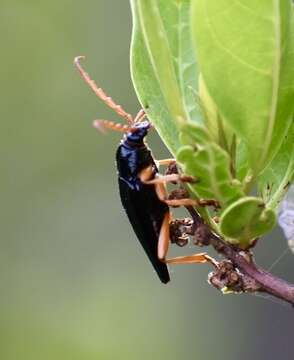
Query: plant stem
{"points": [[263, 281]]}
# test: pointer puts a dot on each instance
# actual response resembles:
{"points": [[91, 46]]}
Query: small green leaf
{"points": [[209, 109], [163, 65], [192, 134], [242, 161], [245, 220], [277, 177], [219, 130], [210, 164], [245, 51]]}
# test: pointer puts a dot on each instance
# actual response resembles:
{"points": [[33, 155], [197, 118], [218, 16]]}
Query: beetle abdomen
{"points": [[146, 212]]}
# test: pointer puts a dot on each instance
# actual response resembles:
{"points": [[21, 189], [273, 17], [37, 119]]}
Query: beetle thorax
{"points": [[131, 161]]}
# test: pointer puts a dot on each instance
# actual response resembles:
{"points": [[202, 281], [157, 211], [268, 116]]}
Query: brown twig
{"points": [[243, 275]]}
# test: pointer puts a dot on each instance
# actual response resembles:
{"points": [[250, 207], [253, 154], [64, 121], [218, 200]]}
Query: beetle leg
{"points": [[160, 187], [200, 258], [192, 202], [171, 178], [100, 92], [146, 174], [165, 162], [164, 238], [162, 193], [163, 245]]}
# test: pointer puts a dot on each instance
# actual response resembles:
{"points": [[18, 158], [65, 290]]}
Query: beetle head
{"points": [[139, 131]]}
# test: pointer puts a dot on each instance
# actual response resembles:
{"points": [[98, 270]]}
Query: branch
{"points": [[238, 273]]}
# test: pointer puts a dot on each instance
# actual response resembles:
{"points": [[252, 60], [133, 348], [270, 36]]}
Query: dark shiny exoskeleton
{"points": [[140, 201]]}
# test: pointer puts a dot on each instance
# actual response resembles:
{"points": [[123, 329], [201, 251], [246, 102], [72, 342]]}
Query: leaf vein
{"points": [[234, 56]]}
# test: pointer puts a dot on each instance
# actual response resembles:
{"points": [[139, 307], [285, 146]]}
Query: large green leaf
{"points": [[209, 164], [277, 177], [245, 50], [163, 64]]}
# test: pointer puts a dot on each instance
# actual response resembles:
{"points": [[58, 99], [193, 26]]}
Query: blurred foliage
{"points": [[74, 281], [186, 53]]}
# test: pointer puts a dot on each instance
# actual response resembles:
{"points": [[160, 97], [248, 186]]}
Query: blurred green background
{"points": [[75, 283]]}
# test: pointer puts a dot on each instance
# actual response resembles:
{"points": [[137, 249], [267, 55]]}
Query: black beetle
{"points": [[140, 201], [142, 190]]}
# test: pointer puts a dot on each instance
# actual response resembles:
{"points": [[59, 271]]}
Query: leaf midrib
{"points": [[276, 80]]}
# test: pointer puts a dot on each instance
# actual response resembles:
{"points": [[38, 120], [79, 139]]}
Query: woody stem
{"points": [[264, 281]]}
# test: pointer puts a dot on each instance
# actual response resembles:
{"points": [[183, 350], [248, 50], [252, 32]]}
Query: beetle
{"points": [[142, 189]]}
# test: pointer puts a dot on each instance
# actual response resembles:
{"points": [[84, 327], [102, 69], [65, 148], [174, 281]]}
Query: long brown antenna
{"points": [[101, 125], [100, 93]]}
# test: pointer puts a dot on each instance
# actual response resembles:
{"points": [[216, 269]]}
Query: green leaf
{"points": [[277, 177], [245, 220], [163, 65], [219, 130], [195, 135], [245, 50], [242, 163], [209, 109], [209, 164]]}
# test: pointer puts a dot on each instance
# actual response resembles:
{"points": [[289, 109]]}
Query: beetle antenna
{"points": [[100, 92], [140, 116], [101, 125]]}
